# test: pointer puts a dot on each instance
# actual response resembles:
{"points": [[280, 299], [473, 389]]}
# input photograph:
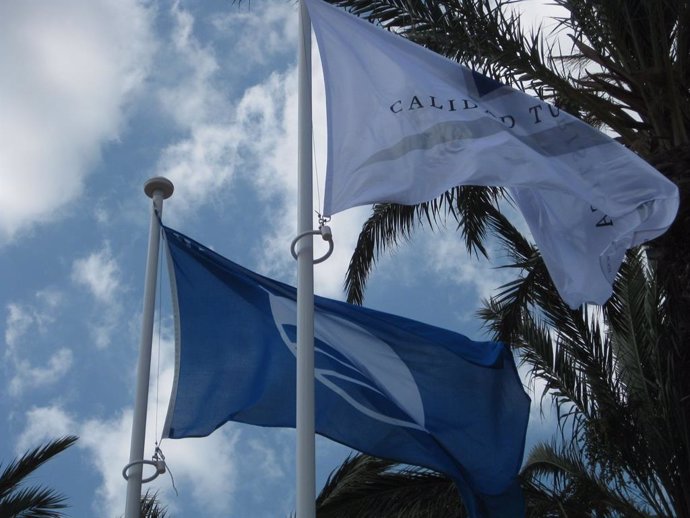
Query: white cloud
{"points": [[449, 259], [50, 297], [256, 139], [99, 273], [18, 322], [266, 459], [102, 332], [204, 161], [200, 165], [27, 375], [275, 21], [68, 70], [206, 468], [102, 215], [45, 424], [191, 98], [21, 320]]}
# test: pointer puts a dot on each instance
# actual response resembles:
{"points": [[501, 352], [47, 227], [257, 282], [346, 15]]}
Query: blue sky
{"points": [[96, 97]]}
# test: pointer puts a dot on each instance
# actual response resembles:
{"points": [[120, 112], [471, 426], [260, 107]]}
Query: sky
{"points": [[97, 96]]}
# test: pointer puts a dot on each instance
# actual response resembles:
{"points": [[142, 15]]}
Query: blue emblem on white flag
{"points": [[385, 385]]}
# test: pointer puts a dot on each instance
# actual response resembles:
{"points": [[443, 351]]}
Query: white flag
{"points": [[406, 124]]}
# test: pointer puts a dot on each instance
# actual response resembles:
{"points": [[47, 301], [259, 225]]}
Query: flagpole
{"points": [[157, 189], [305, 471]]}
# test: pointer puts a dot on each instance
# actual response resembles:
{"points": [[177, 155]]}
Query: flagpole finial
{"points": [[159, 183]]}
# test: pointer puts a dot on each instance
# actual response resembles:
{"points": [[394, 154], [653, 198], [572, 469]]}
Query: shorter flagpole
{"points": [[157, 189]]}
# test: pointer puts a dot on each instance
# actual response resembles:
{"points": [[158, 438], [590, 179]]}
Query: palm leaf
{"points": [[33, 503], [151, 507], [572, 486], [37, 502], [19, 469], [368, 487], [470, 207]]}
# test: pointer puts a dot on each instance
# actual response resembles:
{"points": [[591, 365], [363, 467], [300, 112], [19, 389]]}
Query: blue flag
{"points": [[385, 385]]}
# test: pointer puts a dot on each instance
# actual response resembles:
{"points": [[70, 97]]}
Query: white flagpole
{"points": [[157, 189], [306, 483]]}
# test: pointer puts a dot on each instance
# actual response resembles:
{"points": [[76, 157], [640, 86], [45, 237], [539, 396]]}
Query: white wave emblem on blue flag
{"points": [[372, 363]]}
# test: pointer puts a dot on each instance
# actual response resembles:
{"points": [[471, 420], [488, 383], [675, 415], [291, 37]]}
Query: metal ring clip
{"points": [[325, 232], [158, 464]]}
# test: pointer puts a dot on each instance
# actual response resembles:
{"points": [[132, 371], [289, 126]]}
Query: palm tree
{"points": [[34, 501], [616, 372]]}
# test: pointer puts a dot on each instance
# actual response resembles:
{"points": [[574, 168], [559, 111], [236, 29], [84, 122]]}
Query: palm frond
{"points": [[37, 502], [643, 47], [151, 506], [19, 469], [387, 226], [33, 502], [390, 224], [558, 479], [648, 368], [367, 487]]}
